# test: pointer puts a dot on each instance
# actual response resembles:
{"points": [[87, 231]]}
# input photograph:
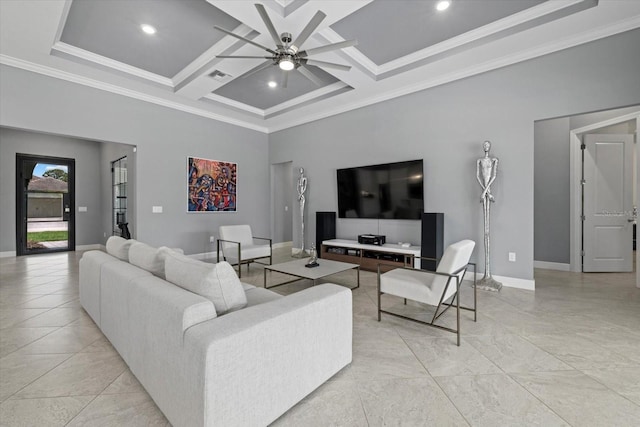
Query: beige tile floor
{"points": [[568, 354]]}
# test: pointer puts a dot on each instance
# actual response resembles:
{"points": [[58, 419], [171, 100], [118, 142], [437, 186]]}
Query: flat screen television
{"points": [[386, 191]]}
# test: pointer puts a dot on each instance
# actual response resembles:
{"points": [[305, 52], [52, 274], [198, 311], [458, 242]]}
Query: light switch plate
{"points": [[156, 209]]}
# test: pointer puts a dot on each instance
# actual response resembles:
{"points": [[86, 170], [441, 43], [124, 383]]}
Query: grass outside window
{"points": [[48, 236]]}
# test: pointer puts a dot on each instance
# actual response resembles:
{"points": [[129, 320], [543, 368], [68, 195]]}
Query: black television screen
{"points": [[387, 191]]}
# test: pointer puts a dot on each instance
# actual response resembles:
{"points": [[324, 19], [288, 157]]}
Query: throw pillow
{"points": [[216, 282], [149, 258], [119, 247]]}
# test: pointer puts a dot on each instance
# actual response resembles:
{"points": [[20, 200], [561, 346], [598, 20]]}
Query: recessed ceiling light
{"points": [[272, 84], [443, 5], [148, 29]]}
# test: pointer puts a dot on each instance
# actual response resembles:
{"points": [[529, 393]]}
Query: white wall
{"points": [[163, 137], [446, 125]]}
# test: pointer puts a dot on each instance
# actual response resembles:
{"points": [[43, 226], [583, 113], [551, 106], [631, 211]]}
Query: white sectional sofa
{"points": [[243, 368]]}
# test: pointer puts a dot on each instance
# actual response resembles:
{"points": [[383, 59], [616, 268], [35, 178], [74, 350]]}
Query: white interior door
{"points": [[608, 200]]}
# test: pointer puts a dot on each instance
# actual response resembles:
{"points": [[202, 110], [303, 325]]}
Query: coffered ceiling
{"points": [[403, 46]]}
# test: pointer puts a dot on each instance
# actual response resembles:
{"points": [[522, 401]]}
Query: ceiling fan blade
{"points": [[246, 57], [244, 39], [285, 79], [267, 64], [327, 48], [327, 64], [308, 74], [267, 21], [310, 28]]}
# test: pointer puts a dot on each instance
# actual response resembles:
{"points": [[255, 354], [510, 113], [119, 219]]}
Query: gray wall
{"points": [[551, 190], [552, 180], [87, 157], [164, 139], [446, 125], [283, 201]]}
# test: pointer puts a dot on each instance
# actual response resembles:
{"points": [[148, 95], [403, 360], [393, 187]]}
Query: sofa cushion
{"points": [[149, 258], [119, 247], [216, 282]]}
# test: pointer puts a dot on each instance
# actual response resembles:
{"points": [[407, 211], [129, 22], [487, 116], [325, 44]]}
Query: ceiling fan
{"points": [[287, 54]]}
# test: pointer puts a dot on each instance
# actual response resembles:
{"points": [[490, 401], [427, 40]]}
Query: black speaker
{"points": [[325, 228], [432, 245]]}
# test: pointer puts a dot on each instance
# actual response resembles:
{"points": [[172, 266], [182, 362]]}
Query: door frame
{"points": [[21, 197], [575, 188]]}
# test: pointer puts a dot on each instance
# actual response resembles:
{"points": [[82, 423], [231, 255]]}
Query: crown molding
{"points": [[110, 63], [557, 45], [485, 32], [107, 87], [208, 59], [309, 96], [235, 104], [331, 110], [610, 122]]}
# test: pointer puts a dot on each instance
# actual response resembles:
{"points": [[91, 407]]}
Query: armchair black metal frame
{"points": [[455, 302], [249, 260]]}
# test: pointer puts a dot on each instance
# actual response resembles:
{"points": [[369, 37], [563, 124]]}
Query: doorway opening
{"points": [[578, 215], [282, 189], [119, 181], [45, 200]]}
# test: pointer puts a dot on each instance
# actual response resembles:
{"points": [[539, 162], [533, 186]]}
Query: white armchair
{"points": [[439, 288], [239, 247]]}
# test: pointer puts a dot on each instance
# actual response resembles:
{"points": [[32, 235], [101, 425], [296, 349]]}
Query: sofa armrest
{"points": [[270, 355]]}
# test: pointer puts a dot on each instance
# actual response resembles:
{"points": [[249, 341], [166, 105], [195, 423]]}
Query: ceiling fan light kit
{"points": [[287, 54], [286, 63]]}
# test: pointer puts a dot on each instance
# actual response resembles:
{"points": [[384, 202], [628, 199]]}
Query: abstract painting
{"points": [[212, 185]]}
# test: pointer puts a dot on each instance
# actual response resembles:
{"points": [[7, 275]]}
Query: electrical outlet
{"points": [[512, 256], [212, 239]]}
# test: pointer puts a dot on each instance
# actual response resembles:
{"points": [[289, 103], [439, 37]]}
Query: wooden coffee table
{"points": [[297, 268]]}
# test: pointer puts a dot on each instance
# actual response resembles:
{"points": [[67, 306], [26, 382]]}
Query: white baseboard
{"points": [[552, 265], [296, 251], [509, 282], [281, 245], [8, 254], [204, 255], [213, 255]]}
